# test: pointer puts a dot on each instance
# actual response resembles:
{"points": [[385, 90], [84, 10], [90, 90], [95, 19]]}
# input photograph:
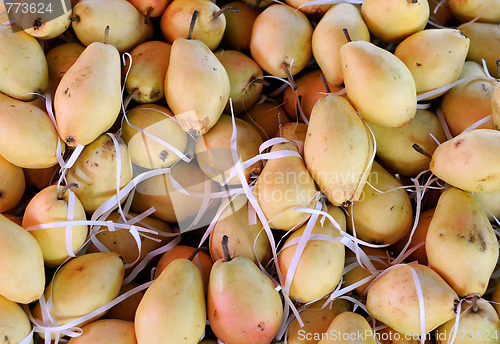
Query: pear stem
{"points": [[223, 10], [421, 150], [280, 125], [346, 34], [193, 22], [195, 252], [74, 19], [225, 248], [129, 98], [148, 16], [289, 76], [325, 84], [498, 67], [106, 34], [60, 196]]}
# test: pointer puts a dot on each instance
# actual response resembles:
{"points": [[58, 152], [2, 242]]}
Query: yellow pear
{"points": [[14, 323], [495, 297], [469, 161], [38, 147], [158, 121], [242, 72], [383, 214], [313, 12], [197, 105], [88, 98], [21, 264], [293, 131], [265, 118], [378, 84], [348, 328], [91, 17], [281, 35], [435, 57], [150, 8], [467, 103], [328, 37], [51, 205], [245, 239], [460, 229], [20, 79], [95, 172], [12, 185], [316, 321], [388, 336], [338, 165], [393, 20], [238, 26], [284, 184], [173, 307], [126, 309], [495, 106], [491, 201], [488, 11], [484, 38], [321, 264], [146, 77], [60, 59], [106, 331], [393, 299], [378, 258], [214, 152]]}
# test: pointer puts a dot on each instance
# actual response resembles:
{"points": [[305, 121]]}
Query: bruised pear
{"points": [[349, 328], [461, 229], [15, 325]]}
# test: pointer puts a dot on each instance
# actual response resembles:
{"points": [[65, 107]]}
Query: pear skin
{"points": [[198, 105], [88, 98], [377, 256], [265, 118], [488, 11], [60, 59], [495, 106], [40, 178], [126, 309], [173, 307], [349, 328], [484, 44], [151, 8], [12, 185], [378, 84], [491, 201], [460, 229], [238, 26], [293, 132], [313, 12], [14, 323], [107, 331]]}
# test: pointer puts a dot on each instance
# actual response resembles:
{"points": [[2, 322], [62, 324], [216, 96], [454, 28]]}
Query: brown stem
{"points": [[60, 196], [75, 19], [498, 67], [225, 248], [223, 10], [148, 16], [474, 298], [127, 100], [195, 252], [325, 84], [421, 150], [106, 34], [289, 76], [280, 125], [346, 34], [193, 22]]}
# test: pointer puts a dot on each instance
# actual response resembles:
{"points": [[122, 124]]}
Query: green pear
{"points": [[488, 11], [107, 331], [126, 31], [484, 38], [284, 184], [460, 229], [349, 328], [60, 59], [20, 79], [14, 323], [378, 84], [173, 308], [197, 105], [88, 98], [338, 165]]}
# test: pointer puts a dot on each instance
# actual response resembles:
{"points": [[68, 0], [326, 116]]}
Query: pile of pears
{"points": [[249, 171]]}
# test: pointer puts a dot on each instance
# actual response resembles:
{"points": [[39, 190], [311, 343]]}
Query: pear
{"points": [[242, 72], [469, 161], [245, 239], [293, 132], [209, 27], [435, 57], [60, 59], [321, 264], [126, 309], [196, 105], [491, 202], [495, 298], [12, 185], [467, 103], [479, 323], [495, 106], [51, 205], [388, 336], [38, 147], [95, 172], [393, 20], [83, 285], [337, 150], [39, 178], [150, 8], [395, 145], [147, 75], [21, 264], [243, 305], [460, 229], [107, 331], [91, 17], [265, 118], [393, 300], [484, 39], [173, 307], [281, 35], [383, 214], [284, 184], [378, 258], [313, 12], [328, 37], [15, 325], [258, 3], [316, 321], [349, 328], [378, 84], [158, 121], [487, 11], [21, 80], [238, 26], [88, 98], [214, 151]]}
